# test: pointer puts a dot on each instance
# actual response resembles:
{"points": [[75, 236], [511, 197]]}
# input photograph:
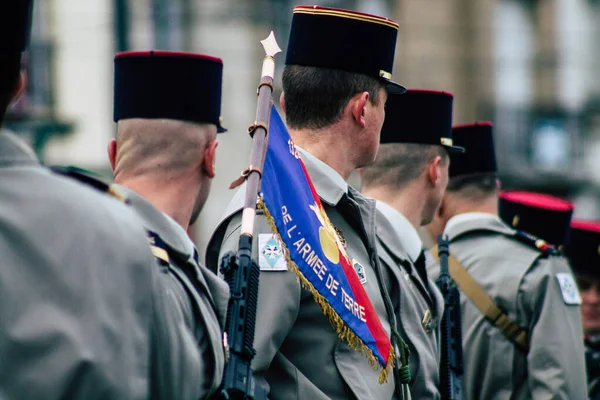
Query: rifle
{"points": [[451, 368], [240, 271]]}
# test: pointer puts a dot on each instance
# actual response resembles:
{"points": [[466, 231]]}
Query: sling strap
{"points": [[493, 314]]}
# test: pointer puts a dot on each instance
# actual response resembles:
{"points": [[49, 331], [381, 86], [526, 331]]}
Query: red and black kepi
{"points": [[168, 85], [544, 216], [420, 116], [583, 249], [15, 25], [478, 142], [344, 40]]}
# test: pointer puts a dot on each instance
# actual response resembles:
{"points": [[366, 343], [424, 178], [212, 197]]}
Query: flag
{"points": [[313, 249]]}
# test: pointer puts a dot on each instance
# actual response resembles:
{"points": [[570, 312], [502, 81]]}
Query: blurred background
{"points": [[532, 67]]}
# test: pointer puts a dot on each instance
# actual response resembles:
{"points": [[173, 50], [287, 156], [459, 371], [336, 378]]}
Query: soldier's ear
{"points": [[112, 153], [210, 159], [21, 85], [357, 106], [282, 101], [434, 170]]}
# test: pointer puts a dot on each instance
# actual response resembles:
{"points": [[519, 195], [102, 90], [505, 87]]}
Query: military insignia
{"points": [[270, 254], [568, 288], [515, 221], [341, 236], [427, 322], [360, 271]]}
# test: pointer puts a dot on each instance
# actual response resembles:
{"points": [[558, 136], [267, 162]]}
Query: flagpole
{"points": [[239, 270], [259, 131]]}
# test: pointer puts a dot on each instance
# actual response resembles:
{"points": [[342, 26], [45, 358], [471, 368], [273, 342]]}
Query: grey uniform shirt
{"points": [[299, 354], [78, 287], [524, 283], [418, 305], [196, 303]]}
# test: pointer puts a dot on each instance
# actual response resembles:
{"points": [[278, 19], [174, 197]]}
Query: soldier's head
{"points": [[412, 163], [583, 251], [15, 26], [167, 107], [473, 184], [338, 73]]}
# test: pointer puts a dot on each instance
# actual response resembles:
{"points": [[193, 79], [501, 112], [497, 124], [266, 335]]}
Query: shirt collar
{"points": [[469, 217], [335, 178], [408, 236], [183, 236]]}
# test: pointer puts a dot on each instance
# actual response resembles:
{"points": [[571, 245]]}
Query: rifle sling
{"points": [[509, 328]]}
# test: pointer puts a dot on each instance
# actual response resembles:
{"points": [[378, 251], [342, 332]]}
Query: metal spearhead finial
{"points": [[270, 45]]}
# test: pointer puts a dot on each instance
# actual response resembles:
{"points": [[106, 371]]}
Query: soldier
{"points": [[535, 212], [78, 283], [338, 66], [408, 180], [583, 250], [167, 106], [519, 303]]}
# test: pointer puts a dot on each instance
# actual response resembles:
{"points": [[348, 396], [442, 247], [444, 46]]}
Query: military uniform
{"points": [[525, 283], [527, 350], [422, 117], [199, 303], [592, 363], [584, 255], [78, 287], [299, 354], [418, 303], [185, 87]]}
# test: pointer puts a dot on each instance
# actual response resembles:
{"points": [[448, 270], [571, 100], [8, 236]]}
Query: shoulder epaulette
{"points": [[83, 176], [537, 243]]}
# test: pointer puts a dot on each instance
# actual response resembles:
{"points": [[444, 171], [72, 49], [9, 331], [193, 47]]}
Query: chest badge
{"points": [[360, 271], [428, 323], [341, 236]]}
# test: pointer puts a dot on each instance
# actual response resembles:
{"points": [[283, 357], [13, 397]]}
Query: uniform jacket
{"points": [[523, 283], [196, 304], [414, 300], [76, 287], [299, 355]]}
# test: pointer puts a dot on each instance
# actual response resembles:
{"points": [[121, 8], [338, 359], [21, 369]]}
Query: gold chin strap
{"points": [[509, 328]]}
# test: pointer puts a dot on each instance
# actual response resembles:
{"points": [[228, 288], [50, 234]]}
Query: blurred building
{"points": [[530, 66]]}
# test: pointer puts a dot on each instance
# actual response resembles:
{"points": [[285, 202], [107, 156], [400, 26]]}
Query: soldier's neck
{"points": [[328, 146], [409, 202], [487, 205], [175, 198]]}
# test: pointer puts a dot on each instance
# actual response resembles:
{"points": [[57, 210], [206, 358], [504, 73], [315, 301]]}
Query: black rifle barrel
{"points": [[451, 368]]}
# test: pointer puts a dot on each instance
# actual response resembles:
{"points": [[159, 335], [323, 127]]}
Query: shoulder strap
{"points": [[546, 248], [493, 314], [83, 177]]}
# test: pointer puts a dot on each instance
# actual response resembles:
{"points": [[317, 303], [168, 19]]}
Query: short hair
{"points": [[474, 186], [397, 164], [160, 146], [316, 97], [10, 69]]}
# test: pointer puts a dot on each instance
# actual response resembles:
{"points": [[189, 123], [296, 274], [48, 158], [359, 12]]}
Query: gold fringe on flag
{"points": [[344, 332]]}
